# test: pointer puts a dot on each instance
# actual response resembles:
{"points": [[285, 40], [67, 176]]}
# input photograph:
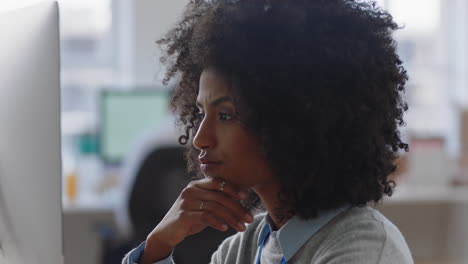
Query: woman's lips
{"points": [[208, 166]]}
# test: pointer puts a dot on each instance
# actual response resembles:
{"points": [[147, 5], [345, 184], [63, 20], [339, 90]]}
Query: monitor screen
{"points": [[30, 160], [125, 115]]}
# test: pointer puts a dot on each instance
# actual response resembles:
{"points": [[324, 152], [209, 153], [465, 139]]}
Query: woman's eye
{"points": [[225, 116], [222, 116]]}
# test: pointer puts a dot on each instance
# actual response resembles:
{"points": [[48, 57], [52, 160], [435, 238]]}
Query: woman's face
{"points": [[232, 152]]}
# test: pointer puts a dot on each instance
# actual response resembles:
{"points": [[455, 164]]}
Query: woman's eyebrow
{"points": [[218, 101]]}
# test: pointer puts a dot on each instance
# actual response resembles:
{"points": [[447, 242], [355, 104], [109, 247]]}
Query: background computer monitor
{"points": [[30, 165], [126, 115]]}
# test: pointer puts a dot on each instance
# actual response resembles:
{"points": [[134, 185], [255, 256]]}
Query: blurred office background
{"points": [[115, 127]]}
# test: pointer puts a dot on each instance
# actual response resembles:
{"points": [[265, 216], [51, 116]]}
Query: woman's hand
{"points": [[207, 202]]}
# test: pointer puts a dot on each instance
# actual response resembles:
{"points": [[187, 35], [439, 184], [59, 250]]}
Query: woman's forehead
{"points": [[213, 84]]}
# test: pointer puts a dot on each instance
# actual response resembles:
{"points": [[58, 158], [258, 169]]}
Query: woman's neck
{"points": [[277, 221], [268, 193]]}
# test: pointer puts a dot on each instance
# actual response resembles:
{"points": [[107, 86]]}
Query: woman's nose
{"points": [[205, 136]]}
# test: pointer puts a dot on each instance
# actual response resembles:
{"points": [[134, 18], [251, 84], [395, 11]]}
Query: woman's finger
{"points": [[224, 214], [218, 184], [225, 201], [208, 219]]}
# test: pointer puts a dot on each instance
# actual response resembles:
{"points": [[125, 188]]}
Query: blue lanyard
{"points": [[283, 261]]}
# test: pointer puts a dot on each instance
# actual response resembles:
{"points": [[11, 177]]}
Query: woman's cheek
{"points": [[242, 177]]}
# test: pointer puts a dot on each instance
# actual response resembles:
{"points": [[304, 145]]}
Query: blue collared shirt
{"points": [[138, 252], [291, 236], [295, 233]]}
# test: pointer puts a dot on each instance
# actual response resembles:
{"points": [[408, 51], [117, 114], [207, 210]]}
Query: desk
{"points": [[433, 220], [81, 221], [428, 194]]}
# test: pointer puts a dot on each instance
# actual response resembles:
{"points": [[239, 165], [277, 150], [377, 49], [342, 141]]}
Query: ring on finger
{"points": [[221, 185]]}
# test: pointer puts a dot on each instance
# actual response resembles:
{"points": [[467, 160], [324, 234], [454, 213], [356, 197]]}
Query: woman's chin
{"points": [[211, 175]]}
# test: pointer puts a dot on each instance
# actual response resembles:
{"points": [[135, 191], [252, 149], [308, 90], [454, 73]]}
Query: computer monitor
{"points": [[30, 159], [126, 115]]}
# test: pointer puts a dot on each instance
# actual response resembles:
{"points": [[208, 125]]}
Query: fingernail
{"points": [[241, 226]]}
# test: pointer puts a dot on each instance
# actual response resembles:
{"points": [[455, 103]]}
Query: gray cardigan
{"points": [[357, 235]]}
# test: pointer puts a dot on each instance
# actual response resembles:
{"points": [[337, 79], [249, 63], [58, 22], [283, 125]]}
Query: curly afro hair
{"points": [[319, 84]]}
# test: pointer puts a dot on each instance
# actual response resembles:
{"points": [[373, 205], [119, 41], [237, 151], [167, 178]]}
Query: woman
{"points": [[291, 106]]}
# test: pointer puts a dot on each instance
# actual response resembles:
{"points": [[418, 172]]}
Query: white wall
{"points": [[137, 25]]}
